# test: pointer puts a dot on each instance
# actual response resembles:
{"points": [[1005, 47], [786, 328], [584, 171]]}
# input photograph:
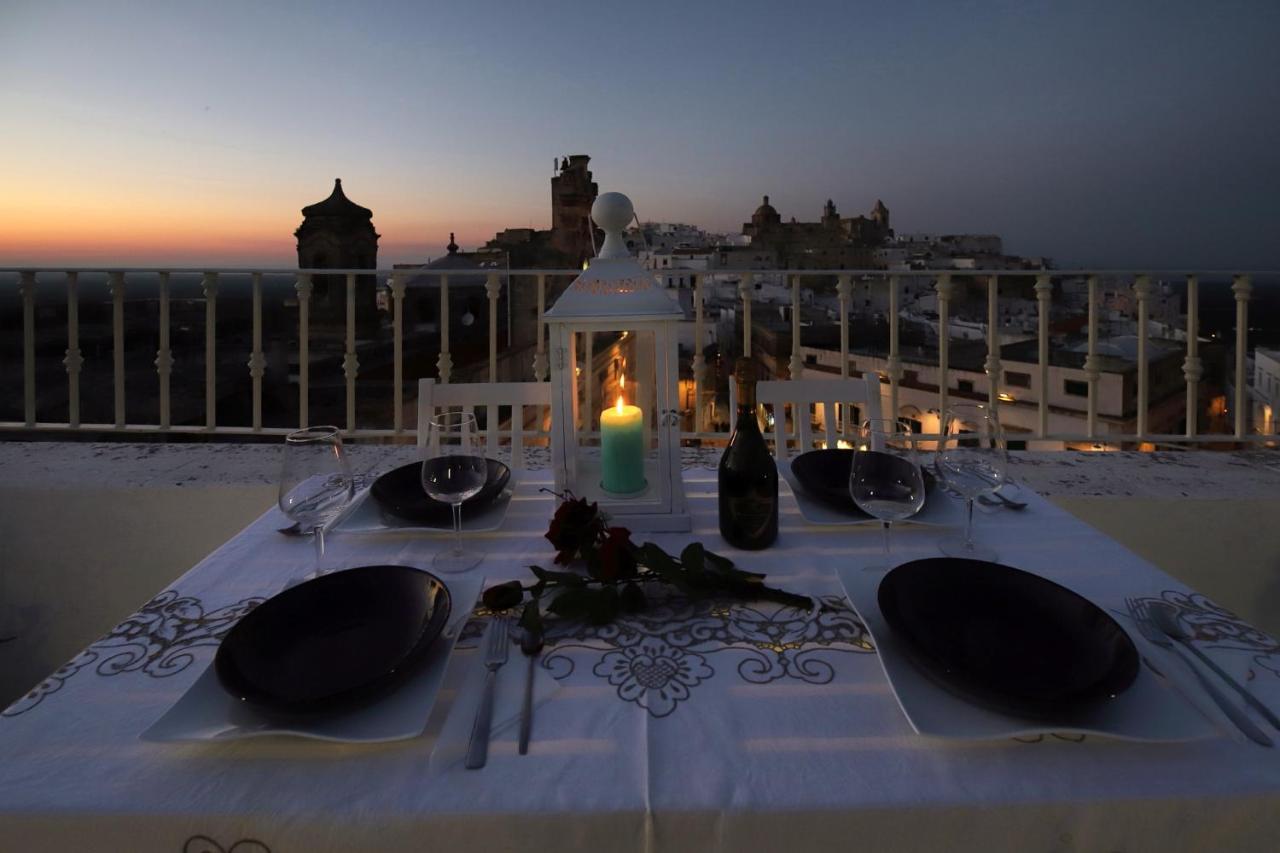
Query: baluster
{"points": [[492, 288], [797, 360], [257, 362], [444, 363], [745, 286], [351, 364], [1044, 292], [699, 360], [27, 288], [1092, 365], [1142, 289], [115, 282], [540, 353], [944, 287], [397, 352], [993, 343], [164, 355], [1192, 369], [844, 290], [303, 287], [1241, 287], [210, 284], [72, 359], [894, 365]]}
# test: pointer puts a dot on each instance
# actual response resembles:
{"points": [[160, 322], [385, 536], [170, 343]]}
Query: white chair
{"points": [[488, 395], [803, 394]]}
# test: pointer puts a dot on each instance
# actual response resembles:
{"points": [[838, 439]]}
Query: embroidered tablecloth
{"points": [[690, 726]]}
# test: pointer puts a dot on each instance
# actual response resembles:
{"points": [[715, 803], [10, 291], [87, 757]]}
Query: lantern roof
{"points": [[614, 285]]}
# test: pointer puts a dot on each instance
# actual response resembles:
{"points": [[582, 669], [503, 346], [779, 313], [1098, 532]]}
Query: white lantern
{"points": [[615, 416]]}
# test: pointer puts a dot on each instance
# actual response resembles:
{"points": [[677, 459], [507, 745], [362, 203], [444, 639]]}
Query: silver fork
{"points": [[1138, 611], [495, 655]]}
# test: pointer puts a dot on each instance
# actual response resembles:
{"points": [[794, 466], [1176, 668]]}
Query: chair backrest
{"points": [[488, 395], [803, 394]]}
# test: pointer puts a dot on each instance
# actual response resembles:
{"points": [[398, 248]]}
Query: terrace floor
{"points": [[89, 531]]}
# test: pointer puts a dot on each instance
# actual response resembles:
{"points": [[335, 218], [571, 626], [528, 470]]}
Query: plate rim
{"points": [[421, 518]]}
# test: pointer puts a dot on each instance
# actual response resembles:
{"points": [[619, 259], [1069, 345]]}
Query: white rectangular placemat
{"points": [[1147, 711]]}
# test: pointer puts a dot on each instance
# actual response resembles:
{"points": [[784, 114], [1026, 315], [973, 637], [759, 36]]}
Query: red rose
{"points": [[574, 528], [615, 558]]}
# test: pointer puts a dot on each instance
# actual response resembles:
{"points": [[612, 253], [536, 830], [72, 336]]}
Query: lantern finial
{"points": [[613, 212]]}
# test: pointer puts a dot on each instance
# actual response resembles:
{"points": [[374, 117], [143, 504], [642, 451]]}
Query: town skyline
{"points": [[1096, 136]]}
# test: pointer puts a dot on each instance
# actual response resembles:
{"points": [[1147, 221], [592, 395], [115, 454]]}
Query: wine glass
{"points": [[454, 469], [885, 480], [315, 480], [971, 461]]}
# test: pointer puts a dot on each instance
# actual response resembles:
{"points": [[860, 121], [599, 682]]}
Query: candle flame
{"points": [[622, 383]]}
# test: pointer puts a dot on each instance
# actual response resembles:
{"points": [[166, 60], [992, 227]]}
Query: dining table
{"points": [[689, 725]]}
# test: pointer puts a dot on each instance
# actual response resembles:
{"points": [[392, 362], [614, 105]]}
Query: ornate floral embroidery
{"points": [[654, 675], [157, 640], [656, 658]]}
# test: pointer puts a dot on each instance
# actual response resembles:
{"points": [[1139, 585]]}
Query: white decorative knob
{"points": [[613, 212]]}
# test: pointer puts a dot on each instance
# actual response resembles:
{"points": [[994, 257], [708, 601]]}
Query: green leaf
{"points": [[563, 578], [603, 606], [571, 603], [633, 599], [692, 556]]}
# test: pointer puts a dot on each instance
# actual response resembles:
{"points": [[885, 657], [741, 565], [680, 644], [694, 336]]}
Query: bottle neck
{"points": [[746, 399]]}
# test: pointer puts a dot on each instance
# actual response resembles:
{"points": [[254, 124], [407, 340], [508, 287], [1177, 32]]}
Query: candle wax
{"points": [[622, 450]]}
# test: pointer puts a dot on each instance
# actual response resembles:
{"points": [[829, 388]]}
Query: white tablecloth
{"points": [[704, 727]]}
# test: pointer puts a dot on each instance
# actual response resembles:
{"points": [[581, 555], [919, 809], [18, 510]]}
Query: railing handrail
{"points": [[1138, 282]]}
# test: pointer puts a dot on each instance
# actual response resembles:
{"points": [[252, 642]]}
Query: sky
{"points": [[1117, 134]]}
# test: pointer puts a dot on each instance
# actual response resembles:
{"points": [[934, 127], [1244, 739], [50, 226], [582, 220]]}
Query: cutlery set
{"points": [[495, 656], [1158, 622]]}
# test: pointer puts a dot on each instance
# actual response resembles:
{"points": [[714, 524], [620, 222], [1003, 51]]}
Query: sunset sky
{"points": [[1117, 134]]}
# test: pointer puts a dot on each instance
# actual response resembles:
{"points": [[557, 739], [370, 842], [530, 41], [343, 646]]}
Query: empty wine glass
{"points": [[885, 480], [454, 469], [315, 480], [971, 461]]}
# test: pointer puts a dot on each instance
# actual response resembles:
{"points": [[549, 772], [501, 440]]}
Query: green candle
{"points": [[622, 449]]}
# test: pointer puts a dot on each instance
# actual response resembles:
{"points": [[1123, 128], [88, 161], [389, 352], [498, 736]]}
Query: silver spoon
{"points": [[1165, 617], [530, 645]]}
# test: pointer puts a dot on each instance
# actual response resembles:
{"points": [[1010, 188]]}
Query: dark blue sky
{"points": [[1120, 134]]}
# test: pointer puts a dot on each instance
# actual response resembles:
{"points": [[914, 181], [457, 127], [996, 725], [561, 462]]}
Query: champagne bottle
{"points": [[748, 477]]}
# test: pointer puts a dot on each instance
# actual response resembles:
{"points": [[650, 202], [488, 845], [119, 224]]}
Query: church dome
{"points": [[765, 213], [337, 204]]}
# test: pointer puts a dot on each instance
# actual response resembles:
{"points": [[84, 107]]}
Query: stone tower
{"points": [[337, 233], [572, 194]]}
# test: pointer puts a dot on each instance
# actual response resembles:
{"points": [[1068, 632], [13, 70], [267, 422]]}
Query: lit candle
{"points": [[622, 447]]}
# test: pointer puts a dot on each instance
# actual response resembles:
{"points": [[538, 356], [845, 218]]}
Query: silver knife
{"points": [[495, 655]]}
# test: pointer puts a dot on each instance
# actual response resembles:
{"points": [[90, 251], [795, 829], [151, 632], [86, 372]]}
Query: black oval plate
{"points": [[334, 642], [824, 476], [400, 493], [1006, 639]]}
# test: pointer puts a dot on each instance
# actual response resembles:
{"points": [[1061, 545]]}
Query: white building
{"points": [[1265, 391]]}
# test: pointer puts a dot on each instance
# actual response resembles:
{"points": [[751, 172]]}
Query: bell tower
{"points": [[337, 233], [572, 194]]}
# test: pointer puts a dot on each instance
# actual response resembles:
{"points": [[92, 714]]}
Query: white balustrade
{"points": [[351, 364], [27, 289], [164, 355], [1241, 288], [1044, 292], [303, 288], [1192, 369], [944, 288], [210, 286], [124, 283], [444, 363], [992, 364], [257, 362]]}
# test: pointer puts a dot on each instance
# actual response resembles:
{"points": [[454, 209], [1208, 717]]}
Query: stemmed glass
{"points": [[971, 461], [885, 480], [454, 469], [315, 480]]}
